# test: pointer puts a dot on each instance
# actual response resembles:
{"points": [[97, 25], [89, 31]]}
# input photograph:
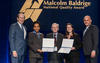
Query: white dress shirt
{"points": [[85, 30], [23, 28]]}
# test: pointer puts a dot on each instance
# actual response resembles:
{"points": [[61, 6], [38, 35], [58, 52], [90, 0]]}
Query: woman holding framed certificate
{"points": [[74, 55]]}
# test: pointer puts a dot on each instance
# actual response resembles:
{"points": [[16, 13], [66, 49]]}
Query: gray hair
{"points": [[55, 24]]}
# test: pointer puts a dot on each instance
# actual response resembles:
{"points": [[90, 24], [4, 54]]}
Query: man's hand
{"points": [[93, 54], [14, 54], [39, 50]]}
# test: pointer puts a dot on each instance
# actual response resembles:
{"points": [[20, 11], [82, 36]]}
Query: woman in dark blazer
{"points": [[35, 44], [74, 55]]}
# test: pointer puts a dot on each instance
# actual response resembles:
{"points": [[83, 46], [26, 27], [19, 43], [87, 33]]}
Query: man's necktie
{"points": [[55, 39], [22, 27], [55, 42]]}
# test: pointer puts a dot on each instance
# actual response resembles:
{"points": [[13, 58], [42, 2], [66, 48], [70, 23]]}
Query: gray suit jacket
{"points": [[16, 39], [90, 39], [35, 43]]}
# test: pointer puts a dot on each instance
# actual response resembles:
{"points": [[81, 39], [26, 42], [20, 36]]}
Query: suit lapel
{"points": [[87, 31], [25, 28], [19, 27], [52, 35], [41, 36], [36, 36], [58, 38]]}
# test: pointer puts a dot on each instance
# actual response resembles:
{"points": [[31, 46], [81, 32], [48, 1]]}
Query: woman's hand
{"points": [[70, 35], [73, 48]]}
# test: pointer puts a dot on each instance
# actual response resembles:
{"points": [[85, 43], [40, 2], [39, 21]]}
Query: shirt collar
{"points": [[19, 24], [55, 33], [87, 26], [35, 32]]}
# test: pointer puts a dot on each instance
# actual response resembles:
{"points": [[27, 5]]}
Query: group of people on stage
{"points": [[18, 42]]}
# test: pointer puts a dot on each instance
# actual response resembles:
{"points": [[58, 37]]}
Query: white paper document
{"points": [[66, 46], [48, 45]]}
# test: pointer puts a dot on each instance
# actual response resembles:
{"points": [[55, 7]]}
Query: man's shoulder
{"points": [[60, 34], [93, 27], [49, 34], [30, 32], [14, 24]]}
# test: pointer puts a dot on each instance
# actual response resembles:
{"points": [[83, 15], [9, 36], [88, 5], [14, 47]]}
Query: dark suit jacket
{"points": [[90, 39], [35, 43], [77, 44], [16, 39], [59, 39]]}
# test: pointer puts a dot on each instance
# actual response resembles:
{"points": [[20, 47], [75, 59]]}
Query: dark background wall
{"points": [[10, 8]]}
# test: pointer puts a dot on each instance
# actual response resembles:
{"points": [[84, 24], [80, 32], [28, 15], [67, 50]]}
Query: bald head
{"points": [[87, 20]]}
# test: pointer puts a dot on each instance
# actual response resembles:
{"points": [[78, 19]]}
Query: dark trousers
{"points": [[72, 57], [72, 60], [54, 58], [88, 59], [35, 60], [19, 59]]}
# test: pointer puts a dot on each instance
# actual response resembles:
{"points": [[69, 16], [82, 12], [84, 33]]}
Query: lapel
{"points": [[37, 36], [24, 27], [57, 37], [41, 36], [18, 27], [51, 35], [87, 31]]}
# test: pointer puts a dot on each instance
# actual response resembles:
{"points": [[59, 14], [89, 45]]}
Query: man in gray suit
{"points": [[17, 39], [90, 40], [55, 57]]}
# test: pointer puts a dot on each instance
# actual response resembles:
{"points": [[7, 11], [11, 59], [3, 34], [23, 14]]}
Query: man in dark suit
{"points": [[90, 40], [55, 57], [35, 44], [17, 39]]}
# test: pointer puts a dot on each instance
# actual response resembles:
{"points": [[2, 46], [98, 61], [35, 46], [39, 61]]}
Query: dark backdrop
{"points": [[10, 8]]}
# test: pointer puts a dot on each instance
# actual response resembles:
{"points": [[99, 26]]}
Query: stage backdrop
{"points": [[47, 12]]}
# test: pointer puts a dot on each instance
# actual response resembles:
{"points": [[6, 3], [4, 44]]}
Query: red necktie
{"points": [[55, 39]]}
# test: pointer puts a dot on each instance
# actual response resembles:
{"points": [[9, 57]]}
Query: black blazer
{"points": [[59, 39], [90, 39], [77, 44], [35, 43]]}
